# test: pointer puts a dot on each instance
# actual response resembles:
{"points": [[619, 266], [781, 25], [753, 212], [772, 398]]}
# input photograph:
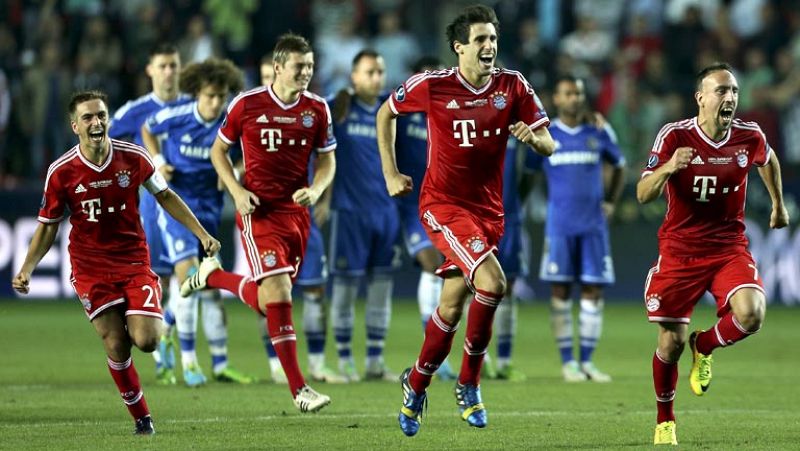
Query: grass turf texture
{"points": [[56, 393]]}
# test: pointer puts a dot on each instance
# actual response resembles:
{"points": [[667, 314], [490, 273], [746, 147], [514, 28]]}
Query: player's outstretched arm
{"points": [[539, 139], [244, 200], [386, 123], [652, 185], [178, 209], [771, 175], [154, 149], [43, 238], [323, 176]]}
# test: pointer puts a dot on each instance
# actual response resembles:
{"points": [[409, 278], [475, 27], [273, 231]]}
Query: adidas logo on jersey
{"points": [[697, 160], [262, 119], [80, 189], [453, 105], [186, 138]]}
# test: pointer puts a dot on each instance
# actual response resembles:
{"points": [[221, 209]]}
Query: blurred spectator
{"points": [[531, 56], [5, 114], [707, 11], [336, 54], [197, 44], [588, 43], [639, 42], [398, 48], [230, 22], [756, 73], [747, 18], [45, 93]]}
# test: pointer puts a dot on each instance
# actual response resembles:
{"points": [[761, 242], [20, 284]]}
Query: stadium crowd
{"points": [[638, 57]]}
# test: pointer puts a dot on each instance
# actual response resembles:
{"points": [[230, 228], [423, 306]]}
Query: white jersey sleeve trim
{"points": [[392, 107], [326, 149], [225, 138], [541, 122]]}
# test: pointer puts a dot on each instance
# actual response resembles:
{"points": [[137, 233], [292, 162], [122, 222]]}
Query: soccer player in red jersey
{"points": [[98, 181], [701, 165], [471, 111], [279, 127]]}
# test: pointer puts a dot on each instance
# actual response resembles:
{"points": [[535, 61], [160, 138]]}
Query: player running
{"points": [[98, 181], [701, 164], [279, 127], [471, 110]]}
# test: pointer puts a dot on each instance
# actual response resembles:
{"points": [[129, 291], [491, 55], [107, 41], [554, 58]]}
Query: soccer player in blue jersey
{"points": [[162, 69], [364, 222], [576, 247], [187, 133], [311, 280], [412, 158]]}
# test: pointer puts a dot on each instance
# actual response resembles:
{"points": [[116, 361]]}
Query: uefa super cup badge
{"points": [[269, 259], [741, 158], [123, 178], [499, 100], [307, 118]]}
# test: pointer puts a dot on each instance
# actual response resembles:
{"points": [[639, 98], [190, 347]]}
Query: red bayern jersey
{"points": [[705, 201], [277, 140], [103, 204], [468, 133]]}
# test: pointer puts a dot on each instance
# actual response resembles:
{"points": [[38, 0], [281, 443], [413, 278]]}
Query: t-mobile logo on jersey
{"points": [[92, 208], [464, 130], [705, 187], [272, 139]]}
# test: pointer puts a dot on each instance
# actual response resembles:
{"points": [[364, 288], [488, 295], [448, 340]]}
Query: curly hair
{"points": [[213, 71]]}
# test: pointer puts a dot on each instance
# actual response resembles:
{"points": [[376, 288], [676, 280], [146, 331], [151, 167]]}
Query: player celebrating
{"points": [[278, 127], [186, 133], [702, 164], [576, 231], [364, 221], [312, 277], [471, 111], [412, 156], [162, 68], [98, 181]]}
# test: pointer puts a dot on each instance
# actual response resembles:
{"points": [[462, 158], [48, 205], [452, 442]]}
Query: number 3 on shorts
{"points": [[150, 297]]}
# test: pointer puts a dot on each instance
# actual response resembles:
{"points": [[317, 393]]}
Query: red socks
{"points": [[242, 286], [127, 380], [438, 340], [726, 332], [284, 340], [479, 331], [665, 379]]}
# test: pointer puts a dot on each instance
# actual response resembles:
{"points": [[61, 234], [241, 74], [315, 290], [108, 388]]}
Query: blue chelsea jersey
{"points": [[359, 184], [574, 173], [412, 149], [128, 119], [186, 145]]}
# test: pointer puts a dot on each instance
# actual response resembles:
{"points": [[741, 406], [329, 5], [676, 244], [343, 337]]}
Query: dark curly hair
{"points": [[213, 71]]}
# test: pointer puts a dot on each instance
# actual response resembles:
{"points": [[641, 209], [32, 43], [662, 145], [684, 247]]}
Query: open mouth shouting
{"points": [[96, 135], [726, 115], [486, 60]]}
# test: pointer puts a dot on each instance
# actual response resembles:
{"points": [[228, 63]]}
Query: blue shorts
{"points": [[414, 235], [179, 242], [149, 210], [363, 241], [313, 271], [585, 258], [510, 252]]}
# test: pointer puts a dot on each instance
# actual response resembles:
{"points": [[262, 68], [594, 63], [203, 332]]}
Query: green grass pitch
{"points": [[55, 392]]}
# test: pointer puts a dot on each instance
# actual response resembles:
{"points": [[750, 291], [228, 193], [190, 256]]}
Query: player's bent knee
{"points": [[749, 309]]}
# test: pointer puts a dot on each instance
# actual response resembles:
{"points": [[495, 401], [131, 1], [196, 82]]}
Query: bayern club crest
{"points": [[307, 119], [476, 244], [124, 178], [741, 158], [653, 303], [499, 100], [269, 259]]}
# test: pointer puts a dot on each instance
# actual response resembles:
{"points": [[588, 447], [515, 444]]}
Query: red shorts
{"points": [[674, 285], [464, 239], [274, 243], [139, 292]]}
